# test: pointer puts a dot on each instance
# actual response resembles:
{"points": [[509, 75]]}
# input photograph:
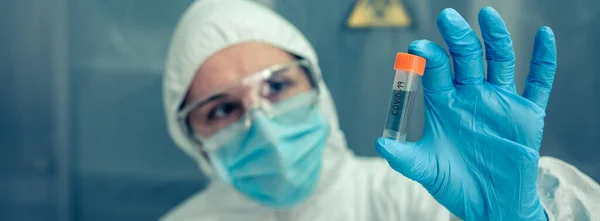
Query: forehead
{"points": [[233, 63]]}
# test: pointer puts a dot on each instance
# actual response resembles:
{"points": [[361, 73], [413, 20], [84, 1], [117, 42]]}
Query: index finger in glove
{"points": [[438, 76]]}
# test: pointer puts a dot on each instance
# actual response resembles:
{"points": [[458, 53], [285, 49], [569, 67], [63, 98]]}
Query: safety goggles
{"points": [[271, 90]]}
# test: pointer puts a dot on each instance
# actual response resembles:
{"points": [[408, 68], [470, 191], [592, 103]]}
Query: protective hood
{"points": [[209, 26]]}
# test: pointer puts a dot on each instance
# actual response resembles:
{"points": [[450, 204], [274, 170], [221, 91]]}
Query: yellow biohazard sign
{"points": [[378, 13]]}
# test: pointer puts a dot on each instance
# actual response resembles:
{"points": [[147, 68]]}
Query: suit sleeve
{"points": [[395, 197], [566, 192]]}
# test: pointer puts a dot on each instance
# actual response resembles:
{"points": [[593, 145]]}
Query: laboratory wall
{"points": [[82, 131], [126, 167], [33, 171], [357, 65]]}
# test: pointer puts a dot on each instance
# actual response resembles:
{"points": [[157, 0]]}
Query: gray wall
{"points": [[83, 135], [572, 130], [357, 65], [33, 175], [126, 167]]}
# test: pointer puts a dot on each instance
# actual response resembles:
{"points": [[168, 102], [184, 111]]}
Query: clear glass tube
{"points": [[403, 92]]}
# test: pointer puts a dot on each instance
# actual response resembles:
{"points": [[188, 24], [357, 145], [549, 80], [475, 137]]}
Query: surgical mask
{"points": [[276, 161], [264, 133]]}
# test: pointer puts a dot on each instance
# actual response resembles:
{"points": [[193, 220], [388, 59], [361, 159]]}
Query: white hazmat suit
{"points": [[350, 187]]}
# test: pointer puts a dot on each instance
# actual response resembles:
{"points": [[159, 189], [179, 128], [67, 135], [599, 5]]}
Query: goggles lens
{"points": [[264, 89]]}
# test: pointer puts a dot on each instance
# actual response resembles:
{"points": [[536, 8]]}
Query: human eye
{"points": [[278, 86], [223, 111]]}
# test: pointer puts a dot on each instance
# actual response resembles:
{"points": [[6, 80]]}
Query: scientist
{"points": [[245, 98]]}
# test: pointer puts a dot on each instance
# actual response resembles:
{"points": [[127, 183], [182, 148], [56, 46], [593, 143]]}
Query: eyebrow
{"points": [[212, 98]]}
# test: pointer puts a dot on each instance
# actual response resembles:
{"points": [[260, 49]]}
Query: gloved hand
{"points": [[480, 147]]}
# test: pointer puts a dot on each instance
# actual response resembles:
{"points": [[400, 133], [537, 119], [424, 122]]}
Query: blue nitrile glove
{"points": [[480, 148]]}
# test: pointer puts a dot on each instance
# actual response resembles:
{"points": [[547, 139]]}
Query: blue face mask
{"points": [[277, 160]]}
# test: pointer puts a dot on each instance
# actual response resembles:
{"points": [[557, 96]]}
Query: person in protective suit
{"points": [[244, 97]]}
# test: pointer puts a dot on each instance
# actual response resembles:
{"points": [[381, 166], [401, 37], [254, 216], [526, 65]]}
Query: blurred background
{"points": [[82, 131]]}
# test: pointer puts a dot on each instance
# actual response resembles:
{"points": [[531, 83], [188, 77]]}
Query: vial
{"points": [[409, 69]]}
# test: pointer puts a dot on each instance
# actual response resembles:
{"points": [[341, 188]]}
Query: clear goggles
{"points": [[271, 90]]}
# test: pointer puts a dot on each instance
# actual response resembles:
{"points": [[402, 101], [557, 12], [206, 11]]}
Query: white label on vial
{"points": [[404, 82], [405, 85]]}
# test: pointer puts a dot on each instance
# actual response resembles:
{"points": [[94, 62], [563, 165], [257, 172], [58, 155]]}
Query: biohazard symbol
{"points": [[378, 13]]}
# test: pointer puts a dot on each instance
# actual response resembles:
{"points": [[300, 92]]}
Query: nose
{"points": [[253, 100], [251, 97]]}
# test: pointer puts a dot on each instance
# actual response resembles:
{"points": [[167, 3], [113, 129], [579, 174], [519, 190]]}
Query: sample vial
{"points": [[409, 69]]}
